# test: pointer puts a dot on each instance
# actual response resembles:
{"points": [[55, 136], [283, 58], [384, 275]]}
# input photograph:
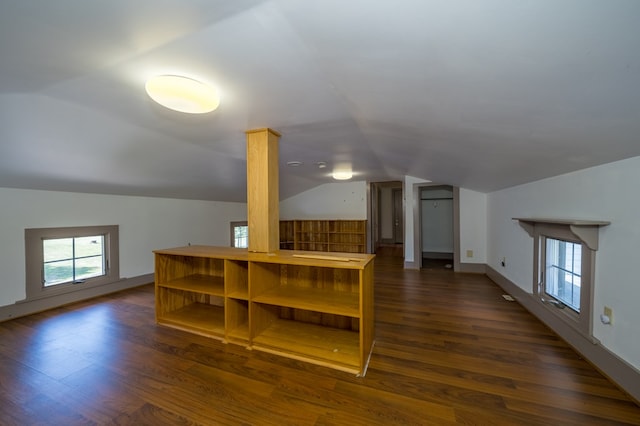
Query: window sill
{"points": [[68, 289], [570, 320]]}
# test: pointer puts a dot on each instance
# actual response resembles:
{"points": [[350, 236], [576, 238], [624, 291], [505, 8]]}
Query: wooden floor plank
{"points": [[449, 350]]}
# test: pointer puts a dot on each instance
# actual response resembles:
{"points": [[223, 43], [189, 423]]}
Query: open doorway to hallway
{"points": [[387, 218]]}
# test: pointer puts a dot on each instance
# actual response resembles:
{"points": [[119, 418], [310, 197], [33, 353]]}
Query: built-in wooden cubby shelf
{"points": [[196, 317], [306, 306], [312, 299], [347, 236], [198, 283], [333, 347]]}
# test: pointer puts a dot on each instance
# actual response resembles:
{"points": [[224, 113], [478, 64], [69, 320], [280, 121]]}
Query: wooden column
{"points": [[262, 190]]}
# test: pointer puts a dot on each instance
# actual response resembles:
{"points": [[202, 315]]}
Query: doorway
{"points": [[387, 217], [398, 220], [437, 227]]}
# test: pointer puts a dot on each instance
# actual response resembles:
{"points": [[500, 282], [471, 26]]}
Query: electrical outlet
{"points": [[469, 253], [608, 312]]}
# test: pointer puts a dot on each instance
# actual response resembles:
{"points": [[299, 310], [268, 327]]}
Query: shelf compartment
{"points": [[346, 248], [200, 318], [237, 320], [347, 236], [197, 283], [192, 311], [239, 335], [313, 299], [236, 278], [338, 277], [173, 266], [337, 348]]}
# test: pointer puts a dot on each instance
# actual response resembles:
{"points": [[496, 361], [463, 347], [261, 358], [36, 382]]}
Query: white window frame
{"points": [[234, 225], [34, 259]]}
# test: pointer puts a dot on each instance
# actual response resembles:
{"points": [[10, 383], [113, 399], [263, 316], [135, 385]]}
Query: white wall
{"points": [[437, 225], [436, 207], [609, 192], [145, 224], [341, 200], [473, 226]]}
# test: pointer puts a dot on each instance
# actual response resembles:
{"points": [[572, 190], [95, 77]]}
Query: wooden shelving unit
{"points": [[347, 236], [316, 308], [287, 235]]}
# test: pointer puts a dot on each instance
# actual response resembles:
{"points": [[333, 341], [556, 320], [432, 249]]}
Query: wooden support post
{"points": [[263, 216]]}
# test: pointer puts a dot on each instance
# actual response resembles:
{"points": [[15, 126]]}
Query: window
{"points": [[60, 259], [239, 234], [563, 266], [564, 261], [73, 259]]}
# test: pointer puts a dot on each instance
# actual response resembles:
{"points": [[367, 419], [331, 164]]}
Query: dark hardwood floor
{"points": [[449, 350]]}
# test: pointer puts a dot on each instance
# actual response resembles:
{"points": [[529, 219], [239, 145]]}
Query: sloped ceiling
{"points": [[483, 94]]}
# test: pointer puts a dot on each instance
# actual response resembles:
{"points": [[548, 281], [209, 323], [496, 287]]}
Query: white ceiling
{"points": [[483, 94]]}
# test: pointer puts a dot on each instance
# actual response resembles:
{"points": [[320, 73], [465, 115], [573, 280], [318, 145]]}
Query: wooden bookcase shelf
{"points": [[237, 321], [348, 236], [198, 284], [298, 304], [312, 299], [287, 235], [198, 318], [334, 347]]}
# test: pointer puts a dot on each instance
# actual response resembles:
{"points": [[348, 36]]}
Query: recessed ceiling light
{"points": [[321, 164], [294, 163], [183, 94]]}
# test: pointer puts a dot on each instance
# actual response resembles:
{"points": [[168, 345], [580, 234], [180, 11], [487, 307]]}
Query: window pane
{"points": [[563, 270], [71, 259], [58, 272], [89, 267], [58, 249], [89, 246], [240, 236]]}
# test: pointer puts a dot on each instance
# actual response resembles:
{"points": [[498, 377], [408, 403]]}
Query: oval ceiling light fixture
{"points": [[183, 94], [342, 174]]}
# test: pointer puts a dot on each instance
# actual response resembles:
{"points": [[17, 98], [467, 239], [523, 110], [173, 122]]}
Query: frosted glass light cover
{"points": [[342, 175], [183, 94]]}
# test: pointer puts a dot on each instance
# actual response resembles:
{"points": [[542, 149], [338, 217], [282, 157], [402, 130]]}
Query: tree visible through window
{"points": [[73, 259]]}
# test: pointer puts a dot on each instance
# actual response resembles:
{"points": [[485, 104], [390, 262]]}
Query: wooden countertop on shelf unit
{"points": [[315, 258], [289, 257], [216, 252]]}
